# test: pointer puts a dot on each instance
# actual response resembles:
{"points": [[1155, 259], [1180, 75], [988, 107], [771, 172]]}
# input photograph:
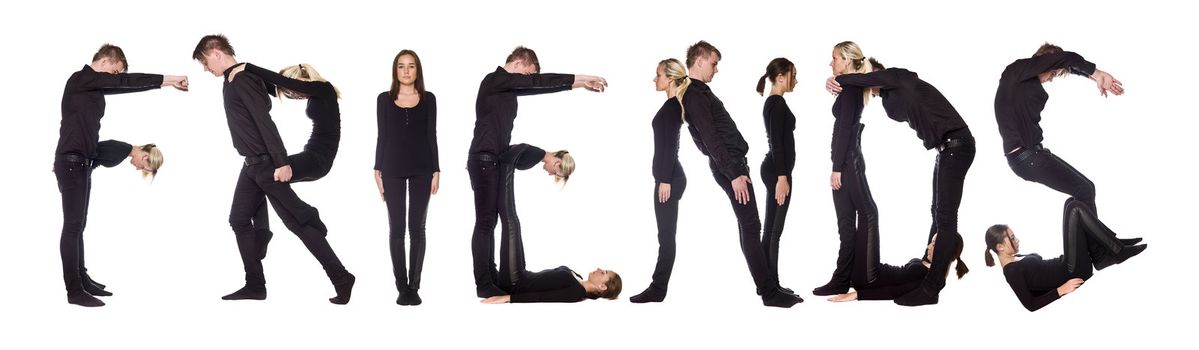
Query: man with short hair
{"points": [[264, 175]]}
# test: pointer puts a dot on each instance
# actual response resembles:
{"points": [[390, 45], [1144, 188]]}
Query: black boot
{"points": [[833, 287], [1125, 253], [343, 288], [651, 294], [88, 279], [95, 290], [1130, 241], [409, 297], [262, 238], [918, 297], [247, 293], [84, 299], [780, 298]]}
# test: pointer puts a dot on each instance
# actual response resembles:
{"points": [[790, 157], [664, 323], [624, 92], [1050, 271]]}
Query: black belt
{"points": [[953, 143], [75, 158], [251, 160], [483, 157]]}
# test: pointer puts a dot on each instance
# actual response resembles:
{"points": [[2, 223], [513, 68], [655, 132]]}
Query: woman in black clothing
{"points": [[1038, 282], [891, 281], [555, 285], [852, 200], [669, 180], [780, 160], [406, 159]]}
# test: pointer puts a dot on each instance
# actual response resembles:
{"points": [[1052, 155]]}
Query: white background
{"points": [[167, 252]]}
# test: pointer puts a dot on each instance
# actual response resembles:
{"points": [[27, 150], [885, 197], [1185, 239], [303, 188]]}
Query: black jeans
{"points": [[949, 177], [395, 190], [667, 215], [1085, 238], [750, 231], [1038, 165], [256, 184], [776, 216], [75, 185], [857, 215], [306, 166], [485, 181]]}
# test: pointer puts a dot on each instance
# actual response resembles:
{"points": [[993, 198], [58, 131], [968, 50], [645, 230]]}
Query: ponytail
{"points": [[776, 67], [674, 70], [995, 235], [990, 260], [961, 268], [762, 84]]}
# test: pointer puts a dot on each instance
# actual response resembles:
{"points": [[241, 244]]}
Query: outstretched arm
{"points": [[313, 88], [111, 153]]}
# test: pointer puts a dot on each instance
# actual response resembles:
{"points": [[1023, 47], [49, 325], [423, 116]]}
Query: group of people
{"points": [[407, 173]]}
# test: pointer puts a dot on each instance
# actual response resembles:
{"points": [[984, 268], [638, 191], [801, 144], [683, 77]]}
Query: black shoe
{"points": [[831, 288], [343, 290], [85, 300], [780, 298], [918, 297], [95, 290], [650, 295], [1130, 241], [247, 293], [489, 290], [409, 297], [1125, 253], [88, 279]]}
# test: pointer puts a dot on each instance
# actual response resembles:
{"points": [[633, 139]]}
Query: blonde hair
{"points": [[155, 160], [305, 72], [677, 73], [858, 61], [567, 166]]}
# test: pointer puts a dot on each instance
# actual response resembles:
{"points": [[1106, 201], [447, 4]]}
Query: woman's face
{"points": [[1011, 243], [553, 167], [661, 82], [600, 276], [786, 80], [840, 64], [406, 70], [140, 160]]}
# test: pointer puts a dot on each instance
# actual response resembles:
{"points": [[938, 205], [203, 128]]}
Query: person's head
{"points": [[146, 159], [961, 269], [607, 282], [672, 75], [1001, 240], [407, 71], [848, 58], [559, 164], [780, 72], [303, 72], [110, 59], [522, 60], [215, 53], [1048, 49], [702, 58]]}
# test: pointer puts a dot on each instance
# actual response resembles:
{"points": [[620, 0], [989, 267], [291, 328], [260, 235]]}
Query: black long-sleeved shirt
{"points": [[407, 141], [848, 111], [1035, 280], [667, 124], [323, 108], [557, 285], [110, 153], [713, 130], [780, 134], [907, 98], [495, 106], [247, 109], [83, 106], [522, 156], [1021, 96], [894, 281]]}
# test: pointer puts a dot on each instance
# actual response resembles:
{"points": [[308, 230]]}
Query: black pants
{"points": [[1038, 165], [395, 190], [857, 215], [667, 215], [949, 177], [485, 181], [776, 216], [750, 231], [75, 185], [889, 282], [255, 185], [1085, 238], [310, 165]]}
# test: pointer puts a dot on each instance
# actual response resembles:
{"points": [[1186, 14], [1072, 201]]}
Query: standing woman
{"points": [[857, 216], [780, 160], [406, 161], [670, 182]]}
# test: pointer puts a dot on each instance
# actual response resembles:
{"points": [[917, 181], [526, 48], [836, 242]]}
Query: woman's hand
{"points": [[832, 85], [436, 182], [840, 298], [834, 180], [663, 192], [1069, 286], [781, 190], [379, 183], [499, 299], [741, 189], [1107, 83]]}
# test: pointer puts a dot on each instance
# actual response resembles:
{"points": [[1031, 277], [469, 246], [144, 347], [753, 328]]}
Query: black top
{"points": [[848, 111], [495, 106], [1021, 97], [1035, 280], [407, 141], [909, 99], [522, 156], [247, 109], [894, 281], [110, 153], [322, 108], [713, 130], [667, 124], [559, 285], [780, 132], [83, 106]]}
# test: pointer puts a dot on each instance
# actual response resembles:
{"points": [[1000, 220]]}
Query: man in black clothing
{"points": [[717, 137], [495, 112], [79, 149], [265, 173]]}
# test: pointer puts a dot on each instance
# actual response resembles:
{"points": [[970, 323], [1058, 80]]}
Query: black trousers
{"points": [[75, 185], [1038, 165], [309, 165], [857, 215], [776, 216], [750, 231], [667, 215], [889, 282], [484, 172], [949, 177], [1085, 238], [255, 185], [395, 190]]}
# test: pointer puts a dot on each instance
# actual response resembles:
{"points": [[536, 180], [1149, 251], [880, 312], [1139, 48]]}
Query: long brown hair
{"points": [[395, 76], [773, 70], [995, 235]]}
